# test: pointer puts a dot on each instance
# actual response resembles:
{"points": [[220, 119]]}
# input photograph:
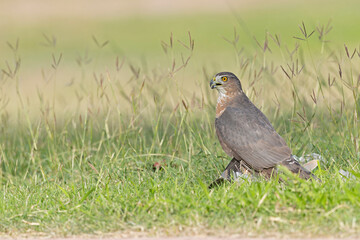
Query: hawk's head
{"points": [[225, 82]]}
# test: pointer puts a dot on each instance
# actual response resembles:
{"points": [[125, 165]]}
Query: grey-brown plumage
{"points": [[246, 134]]}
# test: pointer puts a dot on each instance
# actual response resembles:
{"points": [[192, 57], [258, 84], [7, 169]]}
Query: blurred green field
{"points": [[140, 36], [89, 103], [137, 40]]}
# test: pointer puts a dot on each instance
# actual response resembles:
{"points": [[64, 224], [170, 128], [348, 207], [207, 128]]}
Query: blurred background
{"points": [[59, 55]]}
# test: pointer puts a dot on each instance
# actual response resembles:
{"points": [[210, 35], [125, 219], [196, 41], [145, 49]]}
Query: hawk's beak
{"points": [[212, 84]]}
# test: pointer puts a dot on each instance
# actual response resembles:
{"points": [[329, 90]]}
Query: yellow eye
{"points": [[224, 79]]}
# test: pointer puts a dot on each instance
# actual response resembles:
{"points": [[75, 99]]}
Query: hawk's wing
{"points": [[250, 136]]}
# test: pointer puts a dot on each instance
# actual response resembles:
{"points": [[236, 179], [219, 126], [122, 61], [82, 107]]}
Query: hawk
{"points": [[246, 135]]}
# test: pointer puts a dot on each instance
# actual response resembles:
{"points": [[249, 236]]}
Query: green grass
{"points": [[84, 179], [78, 142]]}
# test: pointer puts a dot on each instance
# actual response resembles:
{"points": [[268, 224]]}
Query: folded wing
{"points": [[251, 137]]}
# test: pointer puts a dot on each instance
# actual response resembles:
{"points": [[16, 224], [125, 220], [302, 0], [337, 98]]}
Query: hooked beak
{"points": [[213, 83]]}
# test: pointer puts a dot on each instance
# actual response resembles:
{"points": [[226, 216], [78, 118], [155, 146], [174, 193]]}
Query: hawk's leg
{"points": [[231, 169], [234, 169]]}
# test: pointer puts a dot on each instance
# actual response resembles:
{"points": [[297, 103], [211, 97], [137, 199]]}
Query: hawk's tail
{"points": [[295, 167]]}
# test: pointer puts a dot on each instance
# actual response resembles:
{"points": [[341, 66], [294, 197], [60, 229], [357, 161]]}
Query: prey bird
{"points": [[246, 135]]}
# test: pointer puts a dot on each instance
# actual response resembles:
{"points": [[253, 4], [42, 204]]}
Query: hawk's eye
{"points": [[224, 79]]}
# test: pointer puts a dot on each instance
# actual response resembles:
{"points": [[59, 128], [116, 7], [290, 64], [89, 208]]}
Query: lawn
{"points": [[107, 125]]}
